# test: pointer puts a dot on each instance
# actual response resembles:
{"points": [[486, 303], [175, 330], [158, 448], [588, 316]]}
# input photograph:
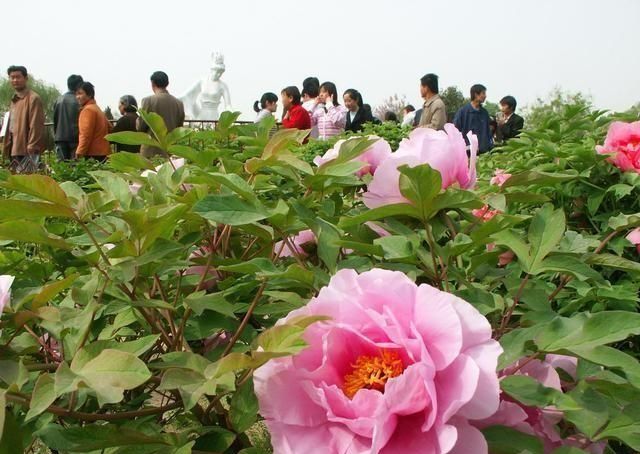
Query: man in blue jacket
{"points": [[475, 118]]}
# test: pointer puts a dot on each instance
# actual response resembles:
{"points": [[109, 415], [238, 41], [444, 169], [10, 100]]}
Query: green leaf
{"points": [[50, 291], [130, 162], [505, 440], [13, 373], [528, 391], [613, 359], [397, 247], [44, 394], [624, 221], [349, 149], [624, 427], [257, 265], [243, 411], [158, 129], [568, 264], [568, 450], [132, 138], [236, 183], [511, 240], [593, 412], [199, 302], [40, 186], [94, 437], [536, 177], [454, 198], [135, 347], [398, 209], [420, 184], [588, 330], [24, 209], [328, 243], [111, 373], [229, 209], [30, 232], [115, 186], [613, 261], [216, 440], [546, 230]]}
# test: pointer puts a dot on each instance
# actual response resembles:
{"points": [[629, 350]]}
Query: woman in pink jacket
{"points": [[328, 115]]}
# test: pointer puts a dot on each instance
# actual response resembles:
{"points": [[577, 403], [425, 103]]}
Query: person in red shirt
{"points": [[295, 116]]}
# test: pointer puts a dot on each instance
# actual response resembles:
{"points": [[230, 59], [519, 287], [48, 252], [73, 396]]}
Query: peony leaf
{"points": [[229, 209], [44, 394], [40, 186], [505, 440], [243, 411], [420, 184]]}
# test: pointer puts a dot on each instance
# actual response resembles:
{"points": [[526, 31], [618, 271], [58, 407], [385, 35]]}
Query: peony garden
{"points": [[384, 293]]}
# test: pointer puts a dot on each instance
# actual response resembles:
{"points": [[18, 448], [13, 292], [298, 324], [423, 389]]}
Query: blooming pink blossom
{"points": [[398, 368], [485, 213], [5, 290], [634, 238], [371, 158], [623, 140], [283, 249], [541, 422], [499, 177], [443, 151]]}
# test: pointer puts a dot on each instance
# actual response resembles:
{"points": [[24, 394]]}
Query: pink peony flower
{"points": [[443, 151], [634, 238], [372, 157], [304, 237], [5, 290], [485, 213], [500, 177], [623, 140], [399, 368], [541, 422]]}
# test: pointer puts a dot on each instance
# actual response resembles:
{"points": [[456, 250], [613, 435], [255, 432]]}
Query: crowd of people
{"points": [[80, 126]]}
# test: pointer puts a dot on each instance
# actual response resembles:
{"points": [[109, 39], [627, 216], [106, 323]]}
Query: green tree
{"points": [[48, 93], [453, 100]]}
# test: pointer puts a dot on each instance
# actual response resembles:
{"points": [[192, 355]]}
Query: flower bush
{"points": [[146, 321]]}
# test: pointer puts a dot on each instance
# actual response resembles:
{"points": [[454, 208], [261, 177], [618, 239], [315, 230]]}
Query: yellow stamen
{"points": [[372, 372]]}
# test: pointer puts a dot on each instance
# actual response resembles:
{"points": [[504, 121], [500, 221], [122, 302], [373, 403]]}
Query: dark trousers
{"points": [[66, 150]]}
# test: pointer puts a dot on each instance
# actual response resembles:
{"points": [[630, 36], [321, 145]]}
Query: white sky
{"points": [[517, 47]]}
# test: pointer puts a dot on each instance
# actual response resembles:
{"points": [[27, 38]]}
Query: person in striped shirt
{"points": [[328, 115]]}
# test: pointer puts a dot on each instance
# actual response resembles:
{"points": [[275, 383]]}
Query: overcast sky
{"points": [[524, 48]]}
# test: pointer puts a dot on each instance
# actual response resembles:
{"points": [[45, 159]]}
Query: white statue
{"points": [[202, 100]]}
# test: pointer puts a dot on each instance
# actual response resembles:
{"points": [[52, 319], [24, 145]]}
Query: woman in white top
{"points": [[267, 105]]}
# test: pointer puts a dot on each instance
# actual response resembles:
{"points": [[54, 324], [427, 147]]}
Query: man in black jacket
{"points": [[509, 124], [65, 120]]}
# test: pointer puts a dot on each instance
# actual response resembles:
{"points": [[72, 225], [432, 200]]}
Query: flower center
{"points": [[372, 372]]}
